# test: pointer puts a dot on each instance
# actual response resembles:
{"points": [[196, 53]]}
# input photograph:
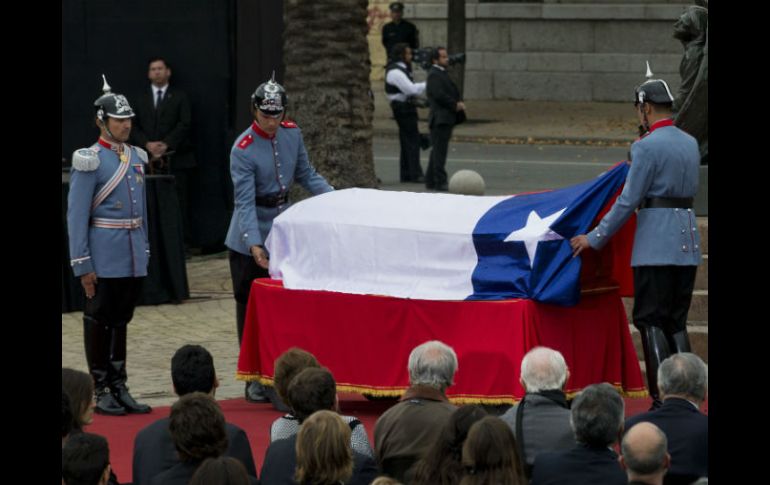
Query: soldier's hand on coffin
{"points": [[260, 256]]}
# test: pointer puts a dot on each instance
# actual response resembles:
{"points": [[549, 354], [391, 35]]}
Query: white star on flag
{"points": [[536, 230]]}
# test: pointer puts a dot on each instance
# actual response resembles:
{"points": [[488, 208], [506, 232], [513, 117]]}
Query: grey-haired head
{"points": [[432, 364], [684, 375], [597, 415]]}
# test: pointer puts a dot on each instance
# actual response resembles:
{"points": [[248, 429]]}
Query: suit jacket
{"points": [[687, 431], [443, 96], [154, 451], [181, 473], [665, 163], [546, 426], [170, 123], [582, 465], [281, 463]]}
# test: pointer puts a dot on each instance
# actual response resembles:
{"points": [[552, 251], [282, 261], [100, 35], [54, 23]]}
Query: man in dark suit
{"points": [[162, 126], [445, 104], [683, 384], [399, 30], [597, 420], [192, 370]]}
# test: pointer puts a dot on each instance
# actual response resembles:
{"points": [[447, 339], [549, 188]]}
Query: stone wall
{"points": [[568, 51]]}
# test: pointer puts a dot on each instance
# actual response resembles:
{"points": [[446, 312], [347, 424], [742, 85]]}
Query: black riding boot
{"points": [[240, 320], [679, 342], [655, 351], [97, 343], [118, 375]]}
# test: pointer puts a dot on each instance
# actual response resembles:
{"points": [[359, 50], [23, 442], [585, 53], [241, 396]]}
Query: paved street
{"points": [[507, 168]]}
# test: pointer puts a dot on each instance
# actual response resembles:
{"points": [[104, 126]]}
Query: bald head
{"points": [[644, 450], [543, 369]]}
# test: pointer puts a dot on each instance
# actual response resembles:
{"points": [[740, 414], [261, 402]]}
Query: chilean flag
{"points": [[441, 246]]}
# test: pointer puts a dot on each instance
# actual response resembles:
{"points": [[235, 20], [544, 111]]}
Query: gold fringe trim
{"points": [[454, 399], [636, 394], [250, 377], [483, 400]]}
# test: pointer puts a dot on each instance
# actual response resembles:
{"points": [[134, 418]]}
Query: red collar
{"points": [[259, 131], [112, 146], [661, 124]]}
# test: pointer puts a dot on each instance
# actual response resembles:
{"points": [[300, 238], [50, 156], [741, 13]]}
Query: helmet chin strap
{"points": [[645, 126], [112, 137]]}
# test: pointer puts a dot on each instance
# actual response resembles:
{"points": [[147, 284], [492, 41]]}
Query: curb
{"points": [[528, 140]]}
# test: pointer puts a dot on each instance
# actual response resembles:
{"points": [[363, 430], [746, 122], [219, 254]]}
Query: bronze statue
{"points": [[691, 104]]}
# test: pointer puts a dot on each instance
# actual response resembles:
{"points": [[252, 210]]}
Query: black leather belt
{"points": [[272, 200], [667, 203]]}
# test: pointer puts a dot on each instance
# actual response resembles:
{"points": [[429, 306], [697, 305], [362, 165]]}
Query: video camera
{"points": [[421, 57]]}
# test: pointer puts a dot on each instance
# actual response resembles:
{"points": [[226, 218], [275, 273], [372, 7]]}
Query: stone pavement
{"points": [[156, 332]]}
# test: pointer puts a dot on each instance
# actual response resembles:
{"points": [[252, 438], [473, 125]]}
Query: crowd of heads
{"points": [[471, 447]]}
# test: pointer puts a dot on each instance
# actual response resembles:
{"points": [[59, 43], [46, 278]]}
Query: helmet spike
{"points": [[106, 88], [649, 71], [272, 78]]}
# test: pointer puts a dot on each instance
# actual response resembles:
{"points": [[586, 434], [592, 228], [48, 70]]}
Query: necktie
{"points": [[159, 98]]}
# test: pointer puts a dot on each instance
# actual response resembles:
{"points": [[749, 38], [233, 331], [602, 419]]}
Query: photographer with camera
{"points": [[446, 110], [401, 89]]}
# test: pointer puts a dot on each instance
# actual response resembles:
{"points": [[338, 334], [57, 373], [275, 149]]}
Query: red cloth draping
{"points": [[365, 340]]}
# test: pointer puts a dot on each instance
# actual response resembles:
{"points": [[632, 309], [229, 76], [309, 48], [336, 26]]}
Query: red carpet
{"points": [[255, 419]]}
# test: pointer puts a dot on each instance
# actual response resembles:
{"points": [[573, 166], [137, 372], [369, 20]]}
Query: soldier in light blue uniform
{"points": [[109, 249], [661, 183], [265, 161]]}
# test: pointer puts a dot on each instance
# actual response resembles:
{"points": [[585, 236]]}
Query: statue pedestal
{"points": [[701, 202]]}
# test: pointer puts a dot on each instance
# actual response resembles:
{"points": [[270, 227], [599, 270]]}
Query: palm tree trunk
{"points": [[327, 67]]}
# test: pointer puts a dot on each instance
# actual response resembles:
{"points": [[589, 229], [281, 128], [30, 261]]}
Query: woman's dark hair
{"points": [[288, 365], [490, 456], [442, 462], [311, 390], [80, 389], [223, 470], [197, 427], [66, 414]]}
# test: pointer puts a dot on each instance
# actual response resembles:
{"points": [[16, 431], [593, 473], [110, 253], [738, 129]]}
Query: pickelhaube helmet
{"points": [[654, 91], [270, 97], [112, 105]]}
